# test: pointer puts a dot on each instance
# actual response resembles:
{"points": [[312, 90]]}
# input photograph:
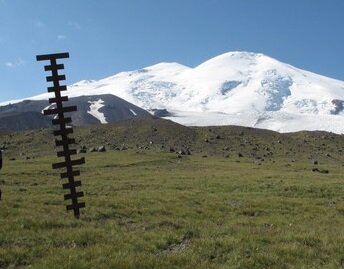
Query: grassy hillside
{"points": [[148, 208]]}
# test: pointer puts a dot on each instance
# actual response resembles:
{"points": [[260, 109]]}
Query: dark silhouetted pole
{"points": [[61, 120]]}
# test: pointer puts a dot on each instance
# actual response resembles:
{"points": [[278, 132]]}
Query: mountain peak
{"points": [[238, 59], [83, 83], [239, 87], [166, 65]]}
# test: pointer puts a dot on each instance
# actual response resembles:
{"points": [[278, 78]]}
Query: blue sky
{"points": [[108, 36]]}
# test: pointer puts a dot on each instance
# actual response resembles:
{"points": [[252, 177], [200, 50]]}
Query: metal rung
{"points": [[66, 153], [75, 206], [64, 142], [69, 185], [73, 195], [56, 78], [63, 131], [60, 110], [60, 99], [46, 57], [53, 67], [70, 174], [59, 88], [71, 163], [62, 121]]}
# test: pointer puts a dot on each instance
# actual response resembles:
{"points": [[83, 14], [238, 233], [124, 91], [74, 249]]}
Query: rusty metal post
{"points": [[61, 120]]}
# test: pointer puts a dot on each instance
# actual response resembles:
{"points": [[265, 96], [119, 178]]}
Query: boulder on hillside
{"points": [[101, 149], [92, 150]]}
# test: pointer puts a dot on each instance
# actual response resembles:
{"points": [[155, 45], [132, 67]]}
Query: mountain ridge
{"points": [[234, 88], [96, 109]]}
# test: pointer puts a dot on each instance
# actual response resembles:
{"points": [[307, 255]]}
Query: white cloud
{"points": [[16, 63], [61, 37]]}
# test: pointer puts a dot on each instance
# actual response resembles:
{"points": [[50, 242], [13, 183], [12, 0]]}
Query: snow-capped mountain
{"points": [[236, 88]]}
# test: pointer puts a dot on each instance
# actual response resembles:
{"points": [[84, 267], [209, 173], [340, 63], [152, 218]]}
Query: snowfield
{"points": [[236, 88], [94, 110]]}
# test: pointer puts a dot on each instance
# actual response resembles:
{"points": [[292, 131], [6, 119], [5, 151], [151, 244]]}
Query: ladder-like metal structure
{"points": [[61, 120]]}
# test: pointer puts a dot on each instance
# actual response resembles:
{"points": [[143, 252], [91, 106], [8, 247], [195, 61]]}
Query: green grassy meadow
{"points": [[152, 209]]}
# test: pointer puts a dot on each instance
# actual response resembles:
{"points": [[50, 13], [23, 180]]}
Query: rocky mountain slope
{"points": [[95, 109], [158, 135]]}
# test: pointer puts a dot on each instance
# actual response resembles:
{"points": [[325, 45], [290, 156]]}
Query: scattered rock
{"points": [[101, 149], [332, 203], [161, 112], [322, 171], [181, 152], [92, 150], [82, 150], [188, 152], [123, 147], [184, 152], [250, 213]]}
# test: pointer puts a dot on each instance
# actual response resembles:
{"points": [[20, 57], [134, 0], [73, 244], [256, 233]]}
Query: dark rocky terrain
{"points": [[28, 114], [15, 121], [157, 134]]}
